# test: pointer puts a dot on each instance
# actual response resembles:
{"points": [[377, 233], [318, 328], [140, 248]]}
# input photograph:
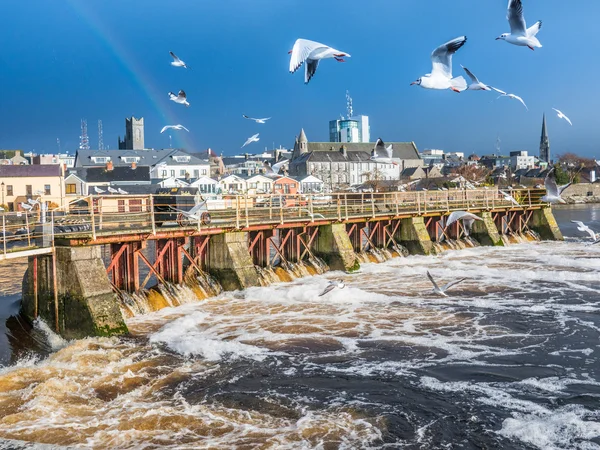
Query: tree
{"points": [[374, 178], [473, 173], [563, 176], [572, 164]]}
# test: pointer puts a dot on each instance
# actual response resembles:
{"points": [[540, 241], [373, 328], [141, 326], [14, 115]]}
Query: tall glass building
{"points": [[355, 129]]}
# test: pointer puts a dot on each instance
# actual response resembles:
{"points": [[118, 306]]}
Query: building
{"points": [[520, 160], [340, 166], [344, 130], [232, 184], [133, 180], [21, 182], [286, 185], [134, 134], [163, 163], [63, 158], [544, 143], [311, 185], [206, 185], [259, 184]]}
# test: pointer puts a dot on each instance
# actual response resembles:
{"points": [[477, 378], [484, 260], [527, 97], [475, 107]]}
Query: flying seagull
{"points": [[442, 290], [264, 120], [466, 217], [273, 171], [441, 74], [112, 190], [311, 52], [513, 96], [97, 190], [176, 61], [121, 191], [561, 115], [585, 229], [174, 127], [199, 213], [180, 98], [251, 139], [553, 191], [519, 33], [26, 206], [509, 198], [475, 85], [332, 285], [382, 154], [33, 202]]}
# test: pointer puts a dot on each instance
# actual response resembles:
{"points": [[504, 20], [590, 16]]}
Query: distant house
{"points": [[286, 185], [259, 184], [83, 181], [21, 182], [172, 182], [206, 185], [311, 185], [412, 173], [232, 184]]}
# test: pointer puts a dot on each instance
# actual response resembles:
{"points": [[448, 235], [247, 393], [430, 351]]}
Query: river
{"points": [[510, 360]]}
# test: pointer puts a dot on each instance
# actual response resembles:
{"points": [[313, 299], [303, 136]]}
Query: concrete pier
{"points": [[334, 246], [414, 236], [485, 232], [230, 262], [85, 301], [544, 224]]}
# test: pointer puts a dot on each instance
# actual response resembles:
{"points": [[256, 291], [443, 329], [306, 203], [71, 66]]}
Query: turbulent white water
{"points": [[509, 360]]}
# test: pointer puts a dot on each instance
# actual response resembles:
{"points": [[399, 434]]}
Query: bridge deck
{"points": [[121, 218]]}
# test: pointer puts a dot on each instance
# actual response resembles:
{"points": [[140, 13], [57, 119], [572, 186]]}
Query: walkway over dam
{"points": [[85, 259]]}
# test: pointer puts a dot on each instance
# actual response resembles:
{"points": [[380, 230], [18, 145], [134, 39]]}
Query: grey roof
{"points": [[35, 170], [409, 171], [400, 150], [118, 174], [135, 189], [147, 157], [338, 156]]}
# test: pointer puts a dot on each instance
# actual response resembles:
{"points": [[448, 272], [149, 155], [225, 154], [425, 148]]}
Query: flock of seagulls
{"points": [[111, 190]]}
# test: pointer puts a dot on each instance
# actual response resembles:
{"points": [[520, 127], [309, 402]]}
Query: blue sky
{"points": [[63, 60]]}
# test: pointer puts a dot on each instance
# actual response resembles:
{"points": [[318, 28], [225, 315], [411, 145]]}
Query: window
{"points": [[100, 159], [182, 173], [121, 206], [181, 158], [172, 173], [164, 174], [9, 190], [71, 188], [130, 159], [196, 173], [135, 205], [47, 189], [28, 189], [286, 188], [203, 171]]}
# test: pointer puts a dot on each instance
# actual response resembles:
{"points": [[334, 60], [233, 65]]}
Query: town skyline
{"points": [[100, 68]]}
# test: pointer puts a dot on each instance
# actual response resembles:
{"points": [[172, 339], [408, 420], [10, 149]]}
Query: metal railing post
{"points": [[246, 209], [4, 232], [93, 219], [339, 207], [346, 205], [151, 202], [372, 205], [281, 208], [237, 212]]}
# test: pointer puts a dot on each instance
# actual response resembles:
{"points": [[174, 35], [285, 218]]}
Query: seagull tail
{"points": [[459, 83]]}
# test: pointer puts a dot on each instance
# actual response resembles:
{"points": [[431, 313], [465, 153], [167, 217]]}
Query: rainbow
{"points": [[157, 96]]}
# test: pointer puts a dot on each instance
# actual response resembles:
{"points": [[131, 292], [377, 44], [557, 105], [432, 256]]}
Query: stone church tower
{"points": [[134, 134]]}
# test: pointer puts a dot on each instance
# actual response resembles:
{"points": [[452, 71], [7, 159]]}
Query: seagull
{"points": [[121, 191], [585, 229], [562, 116], [442, 290], [180, 98], [553, 191], [112, 190], [312, 215], [467, 218], [273, 171], [33, 202], [519, 34], [26, 206], [513, 96], [251, 139], [441, 74], [475, 85], [382, 154], [264, 120], [174, 127], [509, 198], [176, 61], [332, 285], [312, 52], [97, 190]]}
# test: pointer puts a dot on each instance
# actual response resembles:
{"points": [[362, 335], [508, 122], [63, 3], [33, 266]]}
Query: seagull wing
{"points": [[534, 29], [515, 18], [563, 187], [379, 149], [568, 120], [277, 167], [181, 94], [184, 128], [550, 184], [441, 58], [516, 97], [268, 168], [389, 151], [247, 142], [249, 118], [470, 74], [330, 287], [460, 215], [589, 231], [174, 56], [452, 283], [500, 91], [302, 49], [264, 118], [166, 127], [435, 285], [311, 68], [509, 197]]}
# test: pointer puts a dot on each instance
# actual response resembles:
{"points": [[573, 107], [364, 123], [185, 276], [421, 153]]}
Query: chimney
{"points": [[133, 165], [344, 152], [109, 166]]}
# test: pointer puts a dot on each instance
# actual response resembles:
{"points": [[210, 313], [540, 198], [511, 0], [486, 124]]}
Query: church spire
{"points": [[544, 143]]}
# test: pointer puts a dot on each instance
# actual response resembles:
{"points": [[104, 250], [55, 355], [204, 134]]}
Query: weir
{"points": [[147, 267]]}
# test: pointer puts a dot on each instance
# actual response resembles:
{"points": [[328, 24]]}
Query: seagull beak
{"points": [[413, 83], [290, 52], [497, 38]]}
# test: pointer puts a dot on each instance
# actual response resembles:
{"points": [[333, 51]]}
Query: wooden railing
{"points": [[93, 216]]}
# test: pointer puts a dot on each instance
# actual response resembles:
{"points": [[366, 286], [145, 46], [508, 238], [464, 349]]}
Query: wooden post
{"points": [[372, 205], [92, 217], [151, 203], [237, 212], [4, 232], [35, 287], [28, 230], [281, 209], [55, 281], [246, 209]]}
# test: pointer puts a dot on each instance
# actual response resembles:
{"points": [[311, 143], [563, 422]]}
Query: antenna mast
{"points": [[84, 141], [349, 105], [58, 143], [498, 144], [100, 137]]}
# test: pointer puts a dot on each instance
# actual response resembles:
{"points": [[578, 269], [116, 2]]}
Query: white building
{"points": [[521, 160], [206, 185], [353, 130], [364, 130], [259, 184], [311, 185]]}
